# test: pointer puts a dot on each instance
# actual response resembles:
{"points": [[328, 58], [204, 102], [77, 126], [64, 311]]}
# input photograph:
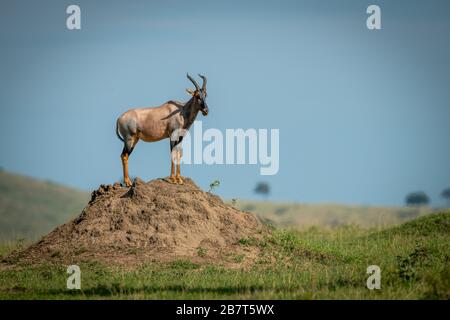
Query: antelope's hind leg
{"points": [[172, 178], [130, 143]]}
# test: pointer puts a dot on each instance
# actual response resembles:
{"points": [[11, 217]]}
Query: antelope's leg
{"points": [[173, 151], [126, 178], [172, 177], [127, 150], [179, 154]]}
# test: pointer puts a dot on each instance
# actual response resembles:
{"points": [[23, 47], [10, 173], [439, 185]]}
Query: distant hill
{"points": [[30, 208], [301, 215]]}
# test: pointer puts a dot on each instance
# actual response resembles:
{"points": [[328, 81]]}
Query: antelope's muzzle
{"points": [[205, 110]]}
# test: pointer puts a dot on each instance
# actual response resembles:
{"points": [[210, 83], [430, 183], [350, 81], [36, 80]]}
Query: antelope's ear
{"points": [[190, 91]]}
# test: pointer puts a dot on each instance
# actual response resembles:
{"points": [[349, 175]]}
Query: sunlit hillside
{"points": [[30, 208]]}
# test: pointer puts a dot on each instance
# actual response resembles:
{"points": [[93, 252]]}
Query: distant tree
{"points": [[446, 195], [262, 188], [419, 198]]}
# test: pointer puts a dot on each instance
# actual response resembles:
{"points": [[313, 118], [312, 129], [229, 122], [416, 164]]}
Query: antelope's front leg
{"points": [[172, 178], [178, 176]]}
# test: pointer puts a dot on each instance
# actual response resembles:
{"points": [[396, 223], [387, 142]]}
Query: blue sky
{"points": [[363, 115]]}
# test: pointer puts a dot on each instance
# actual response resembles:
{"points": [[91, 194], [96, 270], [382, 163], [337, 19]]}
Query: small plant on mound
{"points": [[239, 258], [248, 241], [202, 252], [21, 242], [213, 185]]}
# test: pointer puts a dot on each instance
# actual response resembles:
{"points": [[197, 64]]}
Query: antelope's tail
{"points": [[117, 131]]}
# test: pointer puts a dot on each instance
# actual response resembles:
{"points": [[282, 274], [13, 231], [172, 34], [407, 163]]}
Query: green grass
{"points": [[317, 263]]}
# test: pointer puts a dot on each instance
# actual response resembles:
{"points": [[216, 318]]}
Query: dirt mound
{"points": [[155, 221]]}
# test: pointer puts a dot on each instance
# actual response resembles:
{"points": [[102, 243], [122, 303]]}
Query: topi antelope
{"points": [[165, 121]]}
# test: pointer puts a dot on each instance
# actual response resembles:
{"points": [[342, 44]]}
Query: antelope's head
{"points": [[199, 95]]}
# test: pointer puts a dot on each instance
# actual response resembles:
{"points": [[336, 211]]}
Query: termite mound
{"points": [[150, 221]]}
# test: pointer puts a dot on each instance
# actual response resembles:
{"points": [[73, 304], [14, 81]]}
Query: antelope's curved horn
{"points": [[193, 81], [204, 82]]}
